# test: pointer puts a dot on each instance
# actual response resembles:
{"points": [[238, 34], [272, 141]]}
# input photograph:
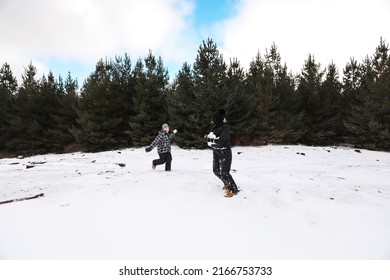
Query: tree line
{"points": [[122, 104]]}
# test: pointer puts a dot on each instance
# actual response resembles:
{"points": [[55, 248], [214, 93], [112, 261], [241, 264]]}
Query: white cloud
{"points": [[83, 31], [87, 30], [330, 29]]}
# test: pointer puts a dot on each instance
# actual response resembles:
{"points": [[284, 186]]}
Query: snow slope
{"points": [[296, 202]]}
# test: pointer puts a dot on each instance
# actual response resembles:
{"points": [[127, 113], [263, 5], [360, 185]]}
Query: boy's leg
{"points": [[159, 161], [226, 163], [168, 160], [217, 165]]}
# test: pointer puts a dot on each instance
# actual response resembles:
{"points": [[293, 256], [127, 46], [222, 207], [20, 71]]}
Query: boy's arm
{"points": [[172, 134], [154, 144], [224, 138]]}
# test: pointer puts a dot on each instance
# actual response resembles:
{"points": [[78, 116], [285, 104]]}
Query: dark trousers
{"points": [[164, 158], [222, 161]]}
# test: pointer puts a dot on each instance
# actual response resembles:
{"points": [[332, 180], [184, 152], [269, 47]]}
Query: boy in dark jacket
{"points": [[163, 144], [219, 141]]}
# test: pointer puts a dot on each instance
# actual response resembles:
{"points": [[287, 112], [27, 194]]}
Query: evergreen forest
{"points": [[124, 102]]}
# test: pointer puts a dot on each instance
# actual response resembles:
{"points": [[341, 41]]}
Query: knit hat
{"points": [[217, 118], [164, 126]]}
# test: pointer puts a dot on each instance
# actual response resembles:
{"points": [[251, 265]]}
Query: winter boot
{"points": [[230, 194], [230, 191], [225, 187]]}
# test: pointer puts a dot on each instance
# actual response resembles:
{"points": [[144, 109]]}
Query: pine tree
{"points": [[240, 104], [100, 114], [279, 119], [260, 87], [24, 127], [262, 78], [351, 83], [288, 123], [209, 73], [285, 119], [309, 86], [65, 116], [380, 100], [149, 101], [368, 122], [358, 115], [48, 101], [8, 87], [125, 84], [183, 109], [349, 97], [329, 124], [36, 102]]}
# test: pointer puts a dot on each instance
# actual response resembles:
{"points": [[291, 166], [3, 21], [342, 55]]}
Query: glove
{"points": [[211, 143], [175, 130], [148, 149], [210, 137]]}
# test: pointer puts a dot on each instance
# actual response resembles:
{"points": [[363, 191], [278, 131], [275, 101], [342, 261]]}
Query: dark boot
{"points": [[230, 193]]}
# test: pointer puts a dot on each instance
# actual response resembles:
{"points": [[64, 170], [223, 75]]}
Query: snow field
{"points": [[296, 202]]}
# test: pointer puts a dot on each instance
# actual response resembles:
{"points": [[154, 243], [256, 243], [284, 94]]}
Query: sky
{"points": [[72, 35]]}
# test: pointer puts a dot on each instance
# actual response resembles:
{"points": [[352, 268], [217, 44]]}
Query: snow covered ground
{"points": [[296, 202]]}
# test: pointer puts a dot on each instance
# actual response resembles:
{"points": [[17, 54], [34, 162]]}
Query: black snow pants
{"points": [[164, 158], [222, 161]]}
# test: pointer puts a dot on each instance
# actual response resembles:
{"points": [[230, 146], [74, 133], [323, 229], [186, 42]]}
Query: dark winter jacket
{"points": [[162, 142], [222, 132]]}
